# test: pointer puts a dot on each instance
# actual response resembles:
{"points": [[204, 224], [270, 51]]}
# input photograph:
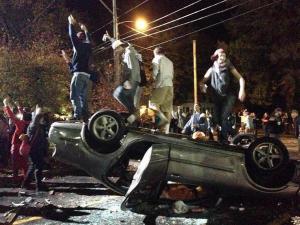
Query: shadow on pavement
{"points": [[51, 212]]}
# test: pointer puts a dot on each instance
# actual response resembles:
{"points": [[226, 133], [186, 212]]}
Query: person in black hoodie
{"points": [[36, 133]]}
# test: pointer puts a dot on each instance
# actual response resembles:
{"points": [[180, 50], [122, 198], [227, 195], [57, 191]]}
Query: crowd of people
{"points": [[22, 127], [272, 124]]}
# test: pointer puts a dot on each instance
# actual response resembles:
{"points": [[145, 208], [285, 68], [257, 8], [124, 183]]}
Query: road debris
{"points": [[179, 207], [11, 216]]}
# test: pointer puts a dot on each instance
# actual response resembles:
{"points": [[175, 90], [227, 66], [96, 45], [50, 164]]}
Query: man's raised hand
{"points": [[71, 20], [83, 27], [6, 102]]}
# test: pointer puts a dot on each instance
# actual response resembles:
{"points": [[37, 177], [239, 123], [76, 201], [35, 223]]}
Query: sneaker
{"points": [[161, 119], [131, 119]]}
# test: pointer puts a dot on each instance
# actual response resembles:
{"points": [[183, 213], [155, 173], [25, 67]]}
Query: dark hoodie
{"points": [[37, 136], [81, 52]]}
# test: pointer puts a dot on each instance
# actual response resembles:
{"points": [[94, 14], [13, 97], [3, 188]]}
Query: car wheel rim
{"points": [[267, 156], [105, 128]]}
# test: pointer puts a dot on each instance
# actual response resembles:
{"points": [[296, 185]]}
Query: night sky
{"points": [[95, 15]]}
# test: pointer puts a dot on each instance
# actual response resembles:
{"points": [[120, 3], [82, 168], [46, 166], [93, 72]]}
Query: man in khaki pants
{"points": [[162, 95]]}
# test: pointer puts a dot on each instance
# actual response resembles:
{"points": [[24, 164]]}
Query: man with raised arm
{"points": [[79, 67]]}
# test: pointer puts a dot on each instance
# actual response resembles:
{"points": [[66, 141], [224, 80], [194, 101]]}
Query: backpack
{"points": [[142, 75]]}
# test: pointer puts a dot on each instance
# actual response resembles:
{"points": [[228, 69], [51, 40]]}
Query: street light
{"points": [[140, 25]]}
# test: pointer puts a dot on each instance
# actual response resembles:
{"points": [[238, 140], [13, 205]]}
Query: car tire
{"points": [[106, 127], [243, 140], [267, 163]]}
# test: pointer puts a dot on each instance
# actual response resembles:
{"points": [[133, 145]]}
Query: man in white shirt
{"points": [[162, 95]]}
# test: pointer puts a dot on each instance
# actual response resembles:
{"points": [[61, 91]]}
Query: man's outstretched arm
{"points": [[202, 83], [238, 76], [72, 33]]}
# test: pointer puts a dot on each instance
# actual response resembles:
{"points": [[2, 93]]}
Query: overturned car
{"points": [[105, 148]]}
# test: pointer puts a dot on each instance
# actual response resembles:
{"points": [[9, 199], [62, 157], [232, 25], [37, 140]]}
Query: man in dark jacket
{"points": [[36, 134], [79, 67]]}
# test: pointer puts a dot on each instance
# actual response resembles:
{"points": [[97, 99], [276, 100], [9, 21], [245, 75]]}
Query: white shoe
{"points": [[131, 119]]}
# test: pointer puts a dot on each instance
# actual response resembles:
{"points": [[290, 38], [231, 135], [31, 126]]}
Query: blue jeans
{"points": [[222, 108], [126, 96], [79, 93]]}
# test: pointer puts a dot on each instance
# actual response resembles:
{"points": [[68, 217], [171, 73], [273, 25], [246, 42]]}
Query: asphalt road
{"points": [[76, 200]]}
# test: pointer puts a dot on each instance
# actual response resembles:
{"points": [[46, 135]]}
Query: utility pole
{"points": [[195, 72], [117, 63]]}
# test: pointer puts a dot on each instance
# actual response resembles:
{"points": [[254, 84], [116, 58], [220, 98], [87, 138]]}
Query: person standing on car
{"points": [[128, 92], [162, 96], [79, 67], [220, 76]]}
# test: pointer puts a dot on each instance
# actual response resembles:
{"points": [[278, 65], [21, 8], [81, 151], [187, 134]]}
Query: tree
{"points": [[31, 68], [266, 48]]}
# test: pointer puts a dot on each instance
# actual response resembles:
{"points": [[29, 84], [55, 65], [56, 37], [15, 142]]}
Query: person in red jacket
{"points": [[18, 161]]}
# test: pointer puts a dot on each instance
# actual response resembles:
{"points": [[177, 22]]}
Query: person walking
{"points": [[220, 76], [162, 96], [79, 67]]}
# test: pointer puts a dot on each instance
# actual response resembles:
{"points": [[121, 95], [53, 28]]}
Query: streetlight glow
{"points": [[141, 24]]}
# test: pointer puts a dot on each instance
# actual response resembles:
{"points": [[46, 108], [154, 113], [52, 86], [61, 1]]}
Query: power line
{"points": [[133, 8], [110, 22], [180, 18], [192, 21], [175, 19], [100, 28], [176, 11], [105, 6], [160, 18], [207, 27], [215, 24]]}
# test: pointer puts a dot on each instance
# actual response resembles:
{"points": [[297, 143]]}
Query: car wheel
{"points": [[243, 140], [106, 127], [267, 162]]}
